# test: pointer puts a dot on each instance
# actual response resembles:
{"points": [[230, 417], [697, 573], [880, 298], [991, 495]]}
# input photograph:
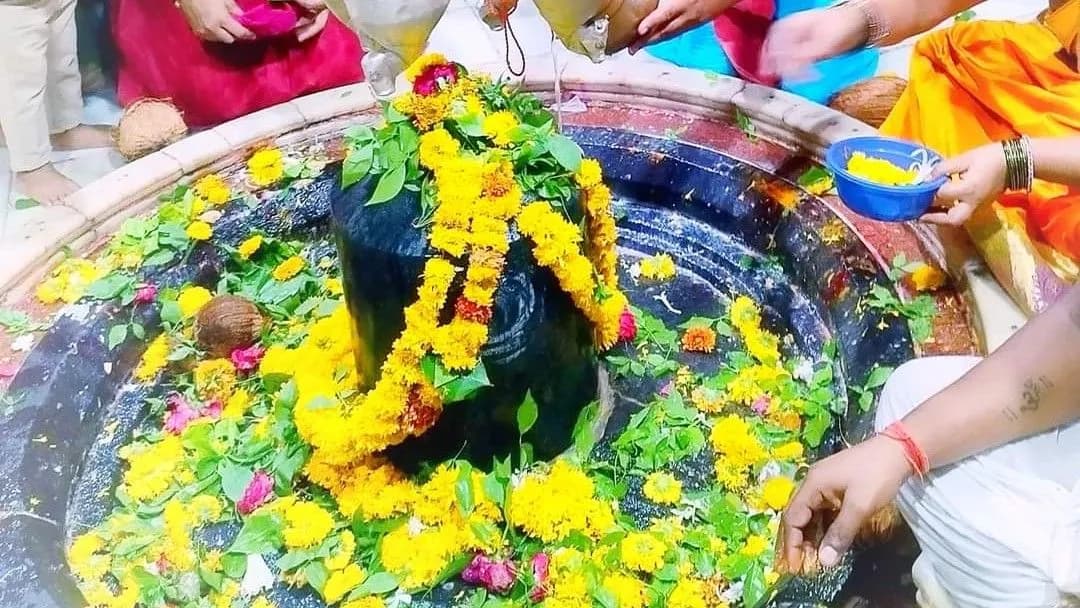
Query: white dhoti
{"points": [[999, 529], [40, 85]]}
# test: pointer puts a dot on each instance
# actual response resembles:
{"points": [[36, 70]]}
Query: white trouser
{"points": [[999, 529], [40, 86]]}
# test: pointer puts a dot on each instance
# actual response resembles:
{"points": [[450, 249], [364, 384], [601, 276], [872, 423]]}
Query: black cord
{"points": [[508, 33]]}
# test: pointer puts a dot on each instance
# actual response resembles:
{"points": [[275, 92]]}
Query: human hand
{"points": [[309, 27], [978, 177], [672, 17], [797, 42], [846, 490], [312, 6], [215, 20]]}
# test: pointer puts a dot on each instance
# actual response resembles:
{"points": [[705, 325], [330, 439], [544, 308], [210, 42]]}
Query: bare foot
{"points": [[82, 137], [45, 185]]}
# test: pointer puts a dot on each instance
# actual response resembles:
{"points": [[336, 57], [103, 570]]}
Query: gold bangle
{"points": [[877, 30]]}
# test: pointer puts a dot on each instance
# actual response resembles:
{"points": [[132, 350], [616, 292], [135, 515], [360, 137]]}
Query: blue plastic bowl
{"points": [[875, 201]]}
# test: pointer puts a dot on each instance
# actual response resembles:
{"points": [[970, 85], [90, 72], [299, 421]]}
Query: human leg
{"points": [[966, 557], [24, 32], [64, 87]]}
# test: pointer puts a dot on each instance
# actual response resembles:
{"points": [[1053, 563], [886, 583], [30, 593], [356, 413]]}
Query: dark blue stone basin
{"points": [[58, 449]]}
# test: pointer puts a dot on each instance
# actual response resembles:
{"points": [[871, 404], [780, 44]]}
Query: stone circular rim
{"points": [[96, 211]]}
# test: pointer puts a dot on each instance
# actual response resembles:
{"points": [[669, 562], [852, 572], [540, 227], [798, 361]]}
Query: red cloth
{"points": [[741, 31], [210, 82], [271, 19]]}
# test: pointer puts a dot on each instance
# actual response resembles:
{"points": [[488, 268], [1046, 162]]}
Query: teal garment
{"points": [[699, 49]]}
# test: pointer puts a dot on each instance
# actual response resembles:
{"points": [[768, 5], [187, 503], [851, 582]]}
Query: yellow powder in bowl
{"points": [[880, 171]]}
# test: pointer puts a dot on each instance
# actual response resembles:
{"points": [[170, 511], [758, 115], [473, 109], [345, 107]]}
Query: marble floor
{"points": [[463, 37]]}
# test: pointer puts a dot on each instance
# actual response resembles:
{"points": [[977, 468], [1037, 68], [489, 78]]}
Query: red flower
{"points": [[421, 413], [179, 414], [435, 78], [256, 493], [471, 311], [213, 409], [495, 576], [540, 564], [247, 359], [627, 325], [146, 294]]}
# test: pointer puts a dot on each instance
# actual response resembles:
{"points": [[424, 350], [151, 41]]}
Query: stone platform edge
{"points": [[96, 211]]}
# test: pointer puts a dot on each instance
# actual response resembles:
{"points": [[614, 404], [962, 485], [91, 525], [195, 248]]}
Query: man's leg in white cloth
{"points": [[962, 559]]}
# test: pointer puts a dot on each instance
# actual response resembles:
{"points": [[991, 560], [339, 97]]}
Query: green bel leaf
{"points": [[260, 534], [234, 479], [389, 186], [117, 335], [356, 166], [527, 414], [464, 489], [566, 152], [379, 583]]}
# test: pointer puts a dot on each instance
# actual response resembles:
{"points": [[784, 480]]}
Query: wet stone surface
{"points": [[58, 452]]}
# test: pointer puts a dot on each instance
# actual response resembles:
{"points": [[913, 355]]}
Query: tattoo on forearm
{"points": [[1031, 398]]}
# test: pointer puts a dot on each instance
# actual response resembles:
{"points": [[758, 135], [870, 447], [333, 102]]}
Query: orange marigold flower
{"points": [[699, 340], [927, 278]]}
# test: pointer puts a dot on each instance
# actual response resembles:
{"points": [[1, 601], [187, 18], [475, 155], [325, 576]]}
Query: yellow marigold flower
{"points": [[660, 267], [199, 231], [341, 582], [744, 313], [289, 268], [334, 286], [777, 492], [927, 278], [732, 437], [880, 171], [762, 345], [417, 560], [642, 552], [262, 602], [192, 299], [249, 246], [365, 602], [459, 343], [436, 147], [707, 400], [343, 556], [277, 360], [266, 167], [688, 593], [154, 359], [215, 379], [152, 467], [213, 189], [590, 174], [629, 592], [69, 280], [663, 488], [554, 505], [228, 593], [498, 127], [307, 524], [236, 406], [790, 451], [699, 340], [755, 545], [422, 63], [85, 559]]}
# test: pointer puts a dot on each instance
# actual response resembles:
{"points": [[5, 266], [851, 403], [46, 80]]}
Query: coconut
{"points": [[226, 323], [870, 101], [148, 125]]}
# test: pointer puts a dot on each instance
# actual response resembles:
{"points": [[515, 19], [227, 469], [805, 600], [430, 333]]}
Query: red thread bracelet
{"points": [[914, 454]]}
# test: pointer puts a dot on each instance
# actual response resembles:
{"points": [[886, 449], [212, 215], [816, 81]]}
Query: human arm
{"points": [[315, 22], [672, 17], [979, 175], [798, 41], [215, 20], [1030, 385]]}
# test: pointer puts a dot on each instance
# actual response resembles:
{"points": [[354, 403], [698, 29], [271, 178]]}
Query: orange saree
{"points": [[981, 82]]}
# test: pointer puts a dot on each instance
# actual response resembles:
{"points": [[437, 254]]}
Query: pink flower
{"points": [[495, 576], [213, 409], [256, 493], [146, 294], [247, 359], [761, 405], [627, 326], [434, 79], [8, 369], [179, 414], [540, 563]]}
